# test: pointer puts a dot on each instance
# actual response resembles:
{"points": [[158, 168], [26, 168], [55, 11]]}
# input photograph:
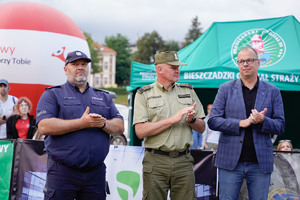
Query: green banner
{"points": [[211, 59], [6, 157]]}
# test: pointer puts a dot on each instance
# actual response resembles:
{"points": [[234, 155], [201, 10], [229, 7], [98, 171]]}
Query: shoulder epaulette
{"points": [[96, 89], [57, 86], [185, 85], [143, 89]]}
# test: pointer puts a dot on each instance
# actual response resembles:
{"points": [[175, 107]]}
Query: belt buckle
{"points": [[174, 154]]}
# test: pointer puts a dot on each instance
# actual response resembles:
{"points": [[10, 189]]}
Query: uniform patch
{"points": [[184, 96]]}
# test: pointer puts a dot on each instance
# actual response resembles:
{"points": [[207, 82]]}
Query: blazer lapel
{"points": [[237, 87], [260, 96]]}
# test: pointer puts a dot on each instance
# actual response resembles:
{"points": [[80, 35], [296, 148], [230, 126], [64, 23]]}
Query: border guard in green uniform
{"points": [[165, 113]]}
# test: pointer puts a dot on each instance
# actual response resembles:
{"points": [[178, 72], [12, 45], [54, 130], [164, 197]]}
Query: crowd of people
{"points": [[78, 119]]}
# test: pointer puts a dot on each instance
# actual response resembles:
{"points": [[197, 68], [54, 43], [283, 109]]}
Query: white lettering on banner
{"points": [[285, 78], [7, 50], [208, 75], [231, 75], [3, 148], [150, 75]]}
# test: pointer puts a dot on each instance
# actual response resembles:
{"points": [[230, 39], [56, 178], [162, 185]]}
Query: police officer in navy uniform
{"points": [[165, 112], [77, 120]]}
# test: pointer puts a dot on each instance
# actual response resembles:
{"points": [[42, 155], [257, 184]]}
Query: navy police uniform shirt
{"points": [[83, 148]]}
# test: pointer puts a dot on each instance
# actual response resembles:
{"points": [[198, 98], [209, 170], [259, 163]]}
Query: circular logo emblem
{"points": [[268, 44], [282, 193]]}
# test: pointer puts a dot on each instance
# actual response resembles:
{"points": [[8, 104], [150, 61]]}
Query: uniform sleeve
{"points": [[47, 106], [140, 109], [114, 113], [199, 108]]}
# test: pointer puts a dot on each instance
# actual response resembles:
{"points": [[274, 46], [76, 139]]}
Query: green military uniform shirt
{"points": [[154, 103]]}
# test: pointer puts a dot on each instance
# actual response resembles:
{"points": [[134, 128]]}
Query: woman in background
{"points": [[21, 125], [285, 145]]}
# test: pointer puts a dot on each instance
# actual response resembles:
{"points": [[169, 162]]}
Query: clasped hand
{"points": [[254, 118], [188, 111], [92, 119]]}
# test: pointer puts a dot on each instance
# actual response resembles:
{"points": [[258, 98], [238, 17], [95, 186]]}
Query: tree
{"points": [[95, 54], [194, 32], [120, 43], [147, 46], [171, 46]]}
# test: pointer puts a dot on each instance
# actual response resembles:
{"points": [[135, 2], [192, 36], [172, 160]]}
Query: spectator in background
{"points": [[197, 140], [22, 124], [285, 145], [210, 137], [7, 103]]}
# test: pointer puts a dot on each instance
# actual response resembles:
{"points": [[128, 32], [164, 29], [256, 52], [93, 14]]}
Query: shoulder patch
{"points": [[185, 85], [143, 89], [57, 86]]}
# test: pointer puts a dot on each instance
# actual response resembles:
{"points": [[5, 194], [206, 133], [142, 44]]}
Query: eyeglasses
{"points": [[248, 61], [285, 141]]}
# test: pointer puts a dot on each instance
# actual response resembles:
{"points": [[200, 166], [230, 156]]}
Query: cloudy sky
{"points": [[170, 18]]}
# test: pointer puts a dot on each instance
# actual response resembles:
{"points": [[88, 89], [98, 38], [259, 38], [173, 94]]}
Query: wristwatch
{"points": [[4, 117], [193, 120]]}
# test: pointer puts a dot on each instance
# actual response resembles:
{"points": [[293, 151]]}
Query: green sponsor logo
{"points": [[131, 182], [268, 44]]}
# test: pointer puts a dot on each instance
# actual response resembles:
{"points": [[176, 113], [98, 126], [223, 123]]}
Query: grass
{"points": [[122, 95], [122, 99]]}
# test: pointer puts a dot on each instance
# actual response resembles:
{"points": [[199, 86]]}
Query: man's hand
{"points": [[92, 119], [189, 111], [258, 117], [191, 114]]}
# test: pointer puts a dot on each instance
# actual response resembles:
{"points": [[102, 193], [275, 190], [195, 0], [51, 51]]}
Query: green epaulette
{"points": [[143, 89], [185, 85]]}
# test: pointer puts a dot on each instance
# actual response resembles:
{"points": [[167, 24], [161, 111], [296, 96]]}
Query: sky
{"points": [[170, 18]]}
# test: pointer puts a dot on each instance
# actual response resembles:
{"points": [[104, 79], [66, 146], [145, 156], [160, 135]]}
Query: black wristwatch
{"points": [[4, 117], [193, 120]]}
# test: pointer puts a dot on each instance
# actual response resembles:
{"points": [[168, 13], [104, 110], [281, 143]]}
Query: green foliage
{"points": [[120, 43], [172, 46], [194, 32], [147, 46], [95, 55]]}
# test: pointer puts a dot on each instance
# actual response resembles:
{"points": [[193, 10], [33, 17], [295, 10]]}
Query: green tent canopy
{"points": [[211, 59]]}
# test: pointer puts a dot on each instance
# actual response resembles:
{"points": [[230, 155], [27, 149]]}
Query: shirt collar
{"points": [[76, 88], [255, 86], [160, 86]]}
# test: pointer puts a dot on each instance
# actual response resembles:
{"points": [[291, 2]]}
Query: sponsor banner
{"points": [[36, 57], [124, 173], [6, 162], [29, 172]]}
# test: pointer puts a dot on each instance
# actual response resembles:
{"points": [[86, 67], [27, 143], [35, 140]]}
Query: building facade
{"points": [[107, 77]]}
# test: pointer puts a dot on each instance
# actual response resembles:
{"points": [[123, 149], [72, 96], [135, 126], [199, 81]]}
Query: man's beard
{"points": [[80, 80]]}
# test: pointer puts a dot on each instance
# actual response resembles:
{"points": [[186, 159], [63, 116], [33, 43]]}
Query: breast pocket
{"points": [[156, 109], [100, 108], [71, 109], [184, 102]]}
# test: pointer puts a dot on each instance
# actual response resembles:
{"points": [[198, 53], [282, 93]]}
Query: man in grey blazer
{"points": [[247, 111]]}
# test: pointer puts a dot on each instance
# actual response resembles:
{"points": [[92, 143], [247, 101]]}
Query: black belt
{"points": [[172, 154]]}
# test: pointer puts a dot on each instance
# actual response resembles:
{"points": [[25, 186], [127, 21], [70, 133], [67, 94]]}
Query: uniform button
{"points": [[241, 142]]}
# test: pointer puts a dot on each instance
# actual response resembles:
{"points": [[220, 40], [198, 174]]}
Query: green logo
{"points": [[268, 44], [131, 182]]}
